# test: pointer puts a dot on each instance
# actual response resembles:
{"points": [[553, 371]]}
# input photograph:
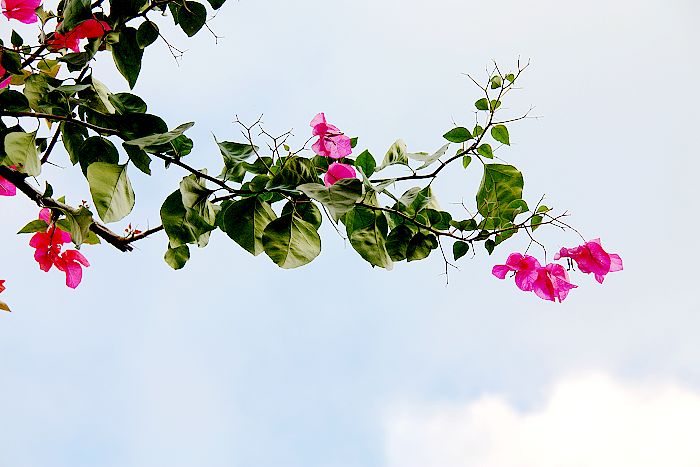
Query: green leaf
{"points": [[34, 226], [139, 158], [181, 146], [543, 208], [458, 135], [485, 151], [98, 97], [74, 12], [468, 225], [440, 220], [489, 245], [13, 101], [295, 171], [420, 246], [416, 199], [73, 137], [127, 55], [496, 82], [177, 257], [466, 160], [234, 155], [11, 61], [429, 159], [338, 198], [291, 242], [195, 198], [513, 209], [122, 10], [77, 222], [510, 77], [21, 151], [150, 142], [245, 221], [500, 134], [139, 125], [367, 230], [36, 88], [16, 39], [97, 149], [397, 242], [182, 226], [111, 190], [460, 249], [147, 34], [482, 104], [536, 222], [191, 16], [395, 155], [494, 104], [306, 210], [500, 185], [366, 162], [216, 4], [126, 103]]}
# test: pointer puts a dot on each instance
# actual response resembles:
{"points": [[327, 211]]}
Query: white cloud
{"points": [[586, 420]]}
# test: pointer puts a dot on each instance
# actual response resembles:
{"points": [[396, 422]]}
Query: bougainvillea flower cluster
{"points": [[551, 282], [334, 144], [90, 29], [591, 258], [21, 10], [48, 253], [525, 268], [331, 141]]}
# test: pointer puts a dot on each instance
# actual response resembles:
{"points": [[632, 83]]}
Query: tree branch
{"points": [[62, 118], [20, 181]]}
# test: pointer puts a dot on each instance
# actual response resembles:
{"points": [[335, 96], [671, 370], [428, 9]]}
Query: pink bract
{"points": [[331, 141], [71, 262], [89, 29], [337, 171], [2, 286], [591, 258], [552, 283], [21, 10], [48, 247], [6, 82], [525, 268], [7, 188]]}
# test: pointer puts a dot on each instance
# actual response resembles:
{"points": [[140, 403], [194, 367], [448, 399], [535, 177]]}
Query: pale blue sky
{"points": [[233, 362]]}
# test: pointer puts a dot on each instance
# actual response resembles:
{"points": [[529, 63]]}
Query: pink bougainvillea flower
{"points": [[48, 246], [7, 188], [525, 268], [71, 262], [21, 10], [331, 141], [89, 29], [552, 283], [2, 286], [591, 258], [48, 253], [6, 82], [338, 171]]}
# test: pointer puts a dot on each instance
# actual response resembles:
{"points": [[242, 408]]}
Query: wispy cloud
{"points": [[586, 420]]}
